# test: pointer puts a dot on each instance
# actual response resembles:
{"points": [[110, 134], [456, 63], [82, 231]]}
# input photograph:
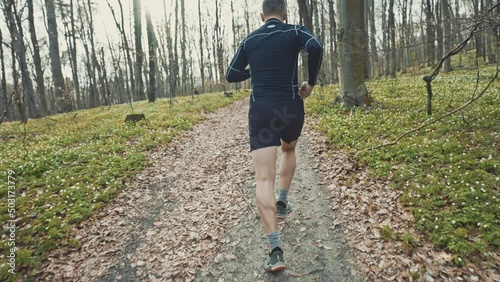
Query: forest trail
{"points": [[192, 216]]}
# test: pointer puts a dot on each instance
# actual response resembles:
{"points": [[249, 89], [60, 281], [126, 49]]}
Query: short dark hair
{"points": [[274, 7]]}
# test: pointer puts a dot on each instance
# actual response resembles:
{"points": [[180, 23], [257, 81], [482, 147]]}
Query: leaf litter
{"points": [[190, 216]]}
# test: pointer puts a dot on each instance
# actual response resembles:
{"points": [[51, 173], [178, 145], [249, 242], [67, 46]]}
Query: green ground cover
{"points": [[448, 171], [70, 165]]}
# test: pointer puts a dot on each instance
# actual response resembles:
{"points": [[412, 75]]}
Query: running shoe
{"points": [[283, 209], [275, 261]]}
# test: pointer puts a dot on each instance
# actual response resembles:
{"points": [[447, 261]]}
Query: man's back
{"points": [[272, 54]]}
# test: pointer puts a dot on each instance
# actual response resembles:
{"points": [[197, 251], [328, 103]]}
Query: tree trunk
{"points": [[385, 39], [139, 92], [202, 48], [403, 42], [220, 46], [121, 28], [323, 39], [430, 33], [457, 28], [391, 24], [8, 6], [4, 105], [175, 57], [40, 81], [235, 44], [439, 30], [105, 89], [489, 37], [95, 62], [352, 52], [477, 36], [172, 81], [63, 101], [152, 59], [92, 64], [306, 19], [447, 41], [183, 48], [373, 42], [333, 42], [15, 77], [28, 90], [74, 58]]}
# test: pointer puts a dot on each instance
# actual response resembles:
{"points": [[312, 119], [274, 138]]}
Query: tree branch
{"points": [[395, 142], [429, 78]]}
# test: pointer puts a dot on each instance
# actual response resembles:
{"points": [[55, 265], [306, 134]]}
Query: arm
{"points": [[237, 70], [315, 52]]}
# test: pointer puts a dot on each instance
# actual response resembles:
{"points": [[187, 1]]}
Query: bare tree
{"points": [[40, 81], [17, 44], [183, 47], [74, 58], [447, 41], [121, 28], [202, 47], [306, 8], [392, 38], [105, 88], [353, 49], [220, 46], [4, 105], [11, 24], [152, 59], [489, 37], [439, 30], [175, 55], [333, 42], [373, 34], [63, 101], [139, 91], [478, 36], [430, 33]]}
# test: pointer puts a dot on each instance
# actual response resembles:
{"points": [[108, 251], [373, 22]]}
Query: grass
{"points": [[70, 165], [449, 171]]}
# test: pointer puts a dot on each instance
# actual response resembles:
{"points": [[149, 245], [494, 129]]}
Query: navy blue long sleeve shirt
{"points": [[270, 54]]}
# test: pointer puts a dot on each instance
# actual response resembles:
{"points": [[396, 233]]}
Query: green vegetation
{"points": [[70, 165], [448, 171]]}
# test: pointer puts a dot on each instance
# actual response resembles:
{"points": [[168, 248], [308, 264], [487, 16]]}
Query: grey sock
{"points": [[283, 195], [274, 240]]}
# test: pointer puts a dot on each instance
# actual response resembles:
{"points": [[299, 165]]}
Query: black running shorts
{"points": [[270, 122]]}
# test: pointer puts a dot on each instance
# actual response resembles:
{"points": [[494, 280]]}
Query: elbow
{"points": [[230, 77]]}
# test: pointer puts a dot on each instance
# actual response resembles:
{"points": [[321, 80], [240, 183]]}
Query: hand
{"points": [[305, 90]]}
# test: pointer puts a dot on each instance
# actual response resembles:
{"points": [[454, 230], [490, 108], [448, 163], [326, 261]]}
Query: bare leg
{"points": [[288, 163], [265, 173]]}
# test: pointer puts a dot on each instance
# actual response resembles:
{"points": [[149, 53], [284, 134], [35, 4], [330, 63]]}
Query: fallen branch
{"points": [[395, 142], [249, 205]]}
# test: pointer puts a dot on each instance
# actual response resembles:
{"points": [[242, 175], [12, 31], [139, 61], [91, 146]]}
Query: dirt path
{"points": [[185, 218], [313, 248]]}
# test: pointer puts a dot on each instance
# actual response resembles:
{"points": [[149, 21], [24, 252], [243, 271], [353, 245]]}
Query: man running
{"points": [[269, 55]]}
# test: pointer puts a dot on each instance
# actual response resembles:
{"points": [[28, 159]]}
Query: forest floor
{"points": [[191, 216]]}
